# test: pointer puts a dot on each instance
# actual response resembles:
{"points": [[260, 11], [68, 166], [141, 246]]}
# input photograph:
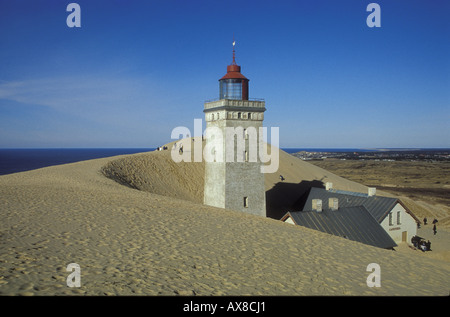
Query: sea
{"points": [[20, 160]]}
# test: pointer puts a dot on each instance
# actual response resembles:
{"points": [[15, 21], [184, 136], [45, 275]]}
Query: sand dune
{"points": [[160, 240], [158, 173]]}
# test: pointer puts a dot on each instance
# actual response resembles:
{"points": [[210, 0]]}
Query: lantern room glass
{"points": [[231, 89]]}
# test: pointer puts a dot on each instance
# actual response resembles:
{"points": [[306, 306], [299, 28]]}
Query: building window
{"points": [[245, 202], [249, 116], [246, 156], [391, 223], [398, 217], [239, 115]]}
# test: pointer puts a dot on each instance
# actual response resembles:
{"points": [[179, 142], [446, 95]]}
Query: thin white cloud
{"points": [[65, 92], [89, 96], [96, 108]]}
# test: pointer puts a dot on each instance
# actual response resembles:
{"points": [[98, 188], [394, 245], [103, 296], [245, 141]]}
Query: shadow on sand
{"points": [[288, 196]]}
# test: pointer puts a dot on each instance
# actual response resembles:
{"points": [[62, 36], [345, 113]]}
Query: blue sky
{"points": [[135, 70]]}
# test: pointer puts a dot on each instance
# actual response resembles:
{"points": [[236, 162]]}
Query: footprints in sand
{"points": [[129, 242]]}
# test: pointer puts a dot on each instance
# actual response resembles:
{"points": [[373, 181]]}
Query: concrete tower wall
{"points": [[237, 185]]}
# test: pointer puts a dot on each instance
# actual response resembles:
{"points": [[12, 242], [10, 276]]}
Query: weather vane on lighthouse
{"points": [[234, 52]]}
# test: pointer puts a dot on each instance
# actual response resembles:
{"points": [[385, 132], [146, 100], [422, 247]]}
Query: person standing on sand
{"points": [[434, 229], [428, 245]]}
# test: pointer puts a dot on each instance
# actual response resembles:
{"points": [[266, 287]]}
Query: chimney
{"points": [[328, 186], [333, 203], [372, 191], [317, 205]]}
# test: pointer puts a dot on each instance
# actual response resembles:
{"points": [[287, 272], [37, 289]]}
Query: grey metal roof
{"points": [[377, 206], [353, 223]]}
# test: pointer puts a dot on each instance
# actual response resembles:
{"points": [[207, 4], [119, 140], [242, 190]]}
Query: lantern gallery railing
{"points": [[255, 105], [250, 99]]}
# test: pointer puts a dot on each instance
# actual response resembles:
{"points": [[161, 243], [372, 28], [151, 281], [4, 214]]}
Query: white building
{"points": [[390, 213]]}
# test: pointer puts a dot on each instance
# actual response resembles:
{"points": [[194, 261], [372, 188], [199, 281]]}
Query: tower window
{"points": [[245, 202]]}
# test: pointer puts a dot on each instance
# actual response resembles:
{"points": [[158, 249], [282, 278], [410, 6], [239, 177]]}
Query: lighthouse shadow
{"points": [[284, 197]]}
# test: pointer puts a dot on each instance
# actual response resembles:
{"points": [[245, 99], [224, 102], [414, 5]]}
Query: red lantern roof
{"points": [[233, 70]]}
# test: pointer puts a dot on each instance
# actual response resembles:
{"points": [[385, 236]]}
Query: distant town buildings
{"points": [[380, 155]]}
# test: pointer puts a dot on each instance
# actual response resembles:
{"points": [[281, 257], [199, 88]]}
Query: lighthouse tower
{"points": [[233, 179]]}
